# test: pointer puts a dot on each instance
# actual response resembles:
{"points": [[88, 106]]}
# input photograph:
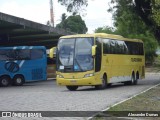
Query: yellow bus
{"points": [[98, 60]]}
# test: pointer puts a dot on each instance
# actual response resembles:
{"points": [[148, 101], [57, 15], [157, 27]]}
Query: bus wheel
{"points": [[72, 88], [103, 85], [18, 80], [131, 82], [136, 80], [5, 81]]}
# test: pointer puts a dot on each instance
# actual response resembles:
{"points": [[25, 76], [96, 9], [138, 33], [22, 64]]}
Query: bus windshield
{"points": [[75, 54]]}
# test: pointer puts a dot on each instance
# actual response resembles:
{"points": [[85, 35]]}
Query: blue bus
{"points": [[20, 64]]}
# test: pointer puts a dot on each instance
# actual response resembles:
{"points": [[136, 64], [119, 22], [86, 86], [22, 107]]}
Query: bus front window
{"points": [[66, 50], [75, 54], [83, 54]]}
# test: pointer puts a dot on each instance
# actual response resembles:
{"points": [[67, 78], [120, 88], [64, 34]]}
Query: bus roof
{"points": [[24, 47], [102, 35]]}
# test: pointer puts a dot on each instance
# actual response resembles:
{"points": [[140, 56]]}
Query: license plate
{"points": [[73, 81]]}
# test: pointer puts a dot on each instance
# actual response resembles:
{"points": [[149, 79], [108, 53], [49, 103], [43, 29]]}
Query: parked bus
{"points": [[99, 60], [51, 65], [22, 64]]}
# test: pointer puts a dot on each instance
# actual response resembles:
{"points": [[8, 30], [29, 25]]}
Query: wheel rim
{"points": [[18, 80], [4, 81]]}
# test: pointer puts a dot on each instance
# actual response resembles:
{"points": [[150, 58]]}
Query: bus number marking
{"points": [[136, 59], [73, 81]]}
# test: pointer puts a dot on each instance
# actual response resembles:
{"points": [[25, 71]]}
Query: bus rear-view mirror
{"points": [[52, 52], [94, 50]]}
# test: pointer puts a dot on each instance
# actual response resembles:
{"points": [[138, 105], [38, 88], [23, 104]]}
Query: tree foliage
{"points": [[147, 10], [128, 24], [105, 29], [74, 5], [133, 19], [156, 11], [72, 23]]}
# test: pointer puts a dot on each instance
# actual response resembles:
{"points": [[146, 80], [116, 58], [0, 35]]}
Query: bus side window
{"points": [[106, 46], [113, 47], [36, 54], [22, 54], [120, 47], [134, 48], [130, 47], [98, 54], [117, 49], [141, 52], [125, 48]]}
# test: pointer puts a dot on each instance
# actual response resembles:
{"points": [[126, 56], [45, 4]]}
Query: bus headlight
{"points": [[60, 76], [89, 75]]}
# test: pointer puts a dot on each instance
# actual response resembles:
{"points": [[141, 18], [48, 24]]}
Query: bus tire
{"points": [[136, 79], [72, 88], [18, 80], [131, 82], [5, 81], [103, 85]]}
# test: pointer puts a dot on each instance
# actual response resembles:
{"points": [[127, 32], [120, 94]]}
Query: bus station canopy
{"points": [[15, 31]]}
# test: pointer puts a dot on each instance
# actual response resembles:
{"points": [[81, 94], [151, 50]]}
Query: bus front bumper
{"points": [[89, 81]]}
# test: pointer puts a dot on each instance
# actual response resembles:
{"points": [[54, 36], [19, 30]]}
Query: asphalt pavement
{"points": [[47, 96]]}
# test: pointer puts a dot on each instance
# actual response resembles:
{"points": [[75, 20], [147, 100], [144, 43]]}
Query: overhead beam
{"points": [[31, 24], [21, 32], [34, 37], [29, 42]]}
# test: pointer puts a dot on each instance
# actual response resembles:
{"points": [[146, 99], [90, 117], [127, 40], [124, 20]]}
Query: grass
{"points": [[148, 101]]}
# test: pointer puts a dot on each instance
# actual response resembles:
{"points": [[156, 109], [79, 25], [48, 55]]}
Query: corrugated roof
{"points": [[18, 31]]}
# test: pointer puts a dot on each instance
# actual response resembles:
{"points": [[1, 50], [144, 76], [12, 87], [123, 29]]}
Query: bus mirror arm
{"points": [[52, 52], [94, 50]]}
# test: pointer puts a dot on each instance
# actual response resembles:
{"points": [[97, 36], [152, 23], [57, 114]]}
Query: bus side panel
{"points": [[34, 70], [119, 68], [4, 71], [31, 62], [106, 66]]}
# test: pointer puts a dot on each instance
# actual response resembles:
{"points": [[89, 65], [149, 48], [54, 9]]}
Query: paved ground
{"points": [[47, 96]]}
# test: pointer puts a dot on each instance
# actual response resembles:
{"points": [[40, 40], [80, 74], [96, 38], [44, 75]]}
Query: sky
{"points": [[95, 15]]}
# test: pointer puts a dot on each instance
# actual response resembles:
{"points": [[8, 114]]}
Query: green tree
{"points": [[129, 25], [126, 20], [133, 19], [105, 29], [156, 11], [74, 5], [73, 23], [147, 10], [63, 23]]}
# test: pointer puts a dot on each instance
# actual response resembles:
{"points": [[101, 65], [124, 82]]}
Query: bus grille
{"points": [[37, 74]]}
